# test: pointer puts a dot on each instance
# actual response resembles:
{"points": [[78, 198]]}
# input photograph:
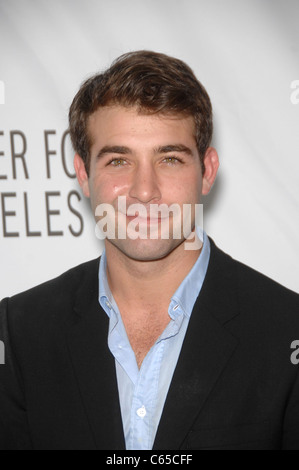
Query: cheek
{"points": [[185, 190], [194, 185], [106, 190], [198, 190]]}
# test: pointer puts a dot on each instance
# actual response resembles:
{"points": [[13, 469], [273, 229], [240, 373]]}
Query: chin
{"points": [[146, 250]]}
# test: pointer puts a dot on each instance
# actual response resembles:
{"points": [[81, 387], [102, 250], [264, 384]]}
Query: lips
{"points": [[150, 215], [143, 220]]}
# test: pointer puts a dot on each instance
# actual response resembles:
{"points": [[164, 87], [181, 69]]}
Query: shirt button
{"points": [[108, 304], [141, 412]]}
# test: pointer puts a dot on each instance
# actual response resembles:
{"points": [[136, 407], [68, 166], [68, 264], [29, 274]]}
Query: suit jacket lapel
{"points": [[207, 348], [94, 366]]}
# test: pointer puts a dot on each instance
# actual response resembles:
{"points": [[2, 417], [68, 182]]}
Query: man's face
{"points": [[148, 159]]}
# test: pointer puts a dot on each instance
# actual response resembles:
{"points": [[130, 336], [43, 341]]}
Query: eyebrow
{"points": [[113, 149], [174, 148], [122, 150]]}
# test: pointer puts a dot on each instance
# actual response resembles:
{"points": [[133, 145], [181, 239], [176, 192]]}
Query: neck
{"points": [[139, 283]]}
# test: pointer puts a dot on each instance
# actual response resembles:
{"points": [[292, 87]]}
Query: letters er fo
{"points": [[2, 92], [2, 353]]}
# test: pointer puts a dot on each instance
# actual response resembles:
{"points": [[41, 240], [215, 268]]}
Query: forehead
{"points": [[111, 123]]}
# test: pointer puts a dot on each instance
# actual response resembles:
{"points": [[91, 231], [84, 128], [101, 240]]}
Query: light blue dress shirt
{"points": [[142, 392]]}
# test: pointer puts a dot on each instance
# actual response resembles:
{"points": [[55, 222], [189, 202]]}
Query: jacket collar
{"points": [[94, 365], [206, 351]]}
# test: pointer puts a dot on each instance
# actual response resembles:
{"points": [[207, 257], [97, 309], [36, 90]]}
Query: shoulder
{"points": [[257, 311], [253, 289], [55, 295]]}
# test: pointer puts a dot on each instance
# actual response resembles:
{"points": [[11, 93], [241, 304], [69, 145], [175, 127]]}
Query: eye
{"points": [[172, 160], [116, 162]]}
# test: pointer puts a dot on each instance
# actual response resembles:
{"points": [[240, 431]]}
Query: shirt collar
{"points": [[105, 296], [187, 292], [184, 297]]}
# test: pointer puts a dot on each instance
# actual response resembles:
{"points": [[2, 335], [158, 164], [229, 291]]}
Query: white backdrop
{"points": [[245, 52]]}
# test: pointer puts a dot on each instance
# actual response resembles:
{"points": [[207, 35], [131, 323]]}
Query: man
{"points": [[157, 344]]}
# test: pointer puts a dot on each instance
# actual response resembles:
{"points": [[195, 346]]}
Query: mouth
{"points": [[150, 220]]}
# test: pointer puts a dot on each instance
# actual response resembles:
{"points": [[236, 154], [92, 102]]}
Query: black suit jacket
{"points": [[234, 386]]}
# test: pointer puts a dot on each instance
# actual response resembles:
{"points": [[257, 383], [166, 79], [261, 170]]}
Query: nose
{"points": [[145, 184]]}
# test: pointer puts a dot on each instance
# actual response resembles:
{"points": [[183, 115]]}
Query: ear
{"points": [[211, 162], [82, 176]]}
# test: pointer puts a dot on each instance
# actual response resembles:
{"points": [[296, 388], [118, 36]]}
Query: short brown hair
{"points": [[155, 83]]}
